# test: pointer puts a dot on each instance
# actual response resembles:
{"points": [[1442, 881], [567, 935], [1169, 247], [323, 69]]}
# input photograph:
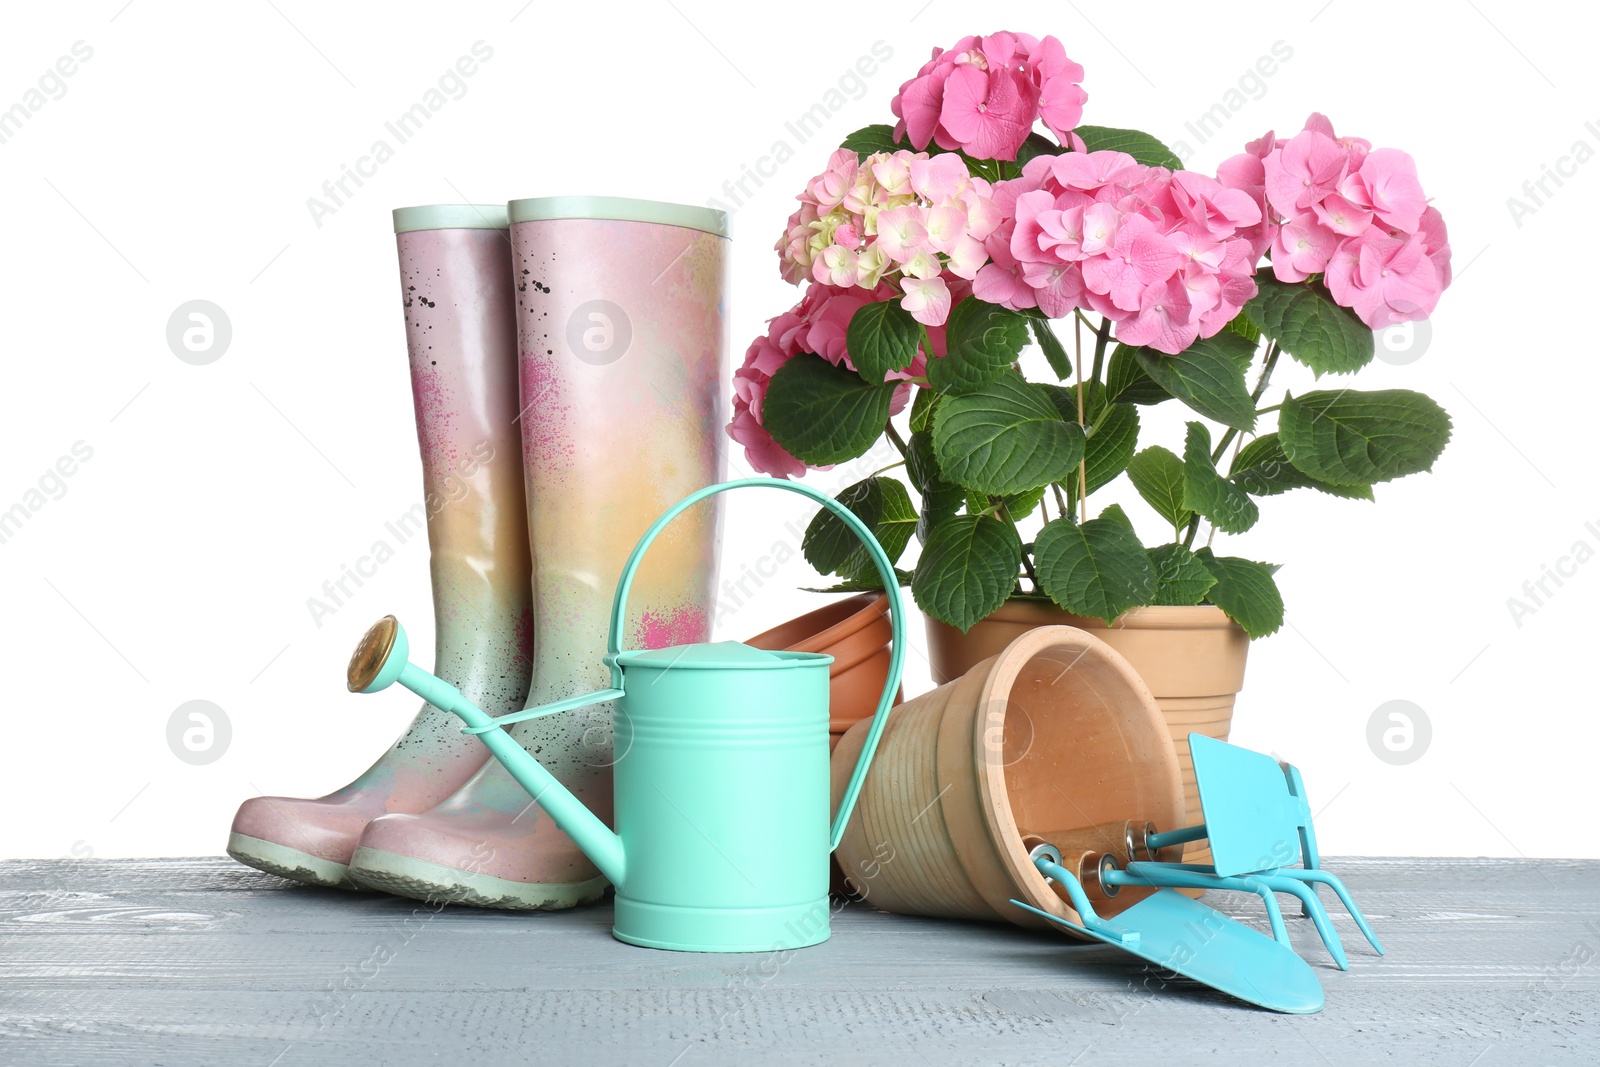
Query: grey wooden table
{"points": [[202, 961]]}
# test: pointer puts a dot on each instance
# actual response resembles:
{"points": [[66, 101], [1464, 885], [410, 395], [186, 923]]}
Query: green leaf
{"points": [[1141, 146], [1308, 325], [1054, 354], [1098, 569], [1037, 144], [1181, 578], [1017, 505], [866, 583], [883, 505], [967, 570], [1204, 490], [824, 414], [1126, 381], [990, 170], [940, 498], [1241, 325], [1158, 476], [922, 406], [1246, 591], [1262, 469], [1357, 438], [1114, 513], [981, 342], [1109, 448], [875, 138], [1005, 439], [882, 337], [1208, 376]]}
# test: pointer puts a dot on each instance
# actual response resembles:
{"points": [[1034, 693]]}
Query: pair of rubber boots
{"points": [[567, 365]]}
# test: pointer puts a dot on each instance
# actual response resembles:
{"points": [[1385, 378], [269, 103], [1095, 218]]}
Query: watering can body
{"points": [[722, 802], [721, 770]]}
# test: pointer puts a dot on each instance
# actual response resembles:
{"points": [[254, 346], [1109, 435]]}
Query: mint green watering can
{"points": [[722, 789]]}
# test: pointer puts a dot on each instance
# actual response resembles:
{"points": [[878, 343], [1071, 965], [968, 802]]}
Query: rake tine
{"points": [[1331, 881], [1313, 908]]}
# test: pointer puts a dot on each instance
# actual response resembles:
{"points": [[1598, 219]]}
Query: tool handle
{"points": [[1128, 839], [891, 586], [1083, 863], [1180, 836], [1067, 879]]}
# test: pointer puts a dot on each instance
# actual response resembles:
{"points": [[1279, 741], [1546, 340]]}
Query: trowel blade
{"points": [[1185, 936]]}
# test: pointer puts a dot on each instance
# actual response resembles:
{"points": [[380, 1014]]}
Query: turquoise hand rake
{"points": [[1185, 936], [1258, 824]]}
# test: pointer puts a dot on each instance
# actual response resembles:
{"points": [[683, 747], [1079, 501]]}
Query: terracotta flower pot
{"points": [[1055, 732], [857, 633], [1191, 658]]}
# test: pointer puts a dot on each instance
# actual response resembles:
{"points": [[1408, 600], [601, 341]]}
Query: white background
{"points": [[177, 564]]}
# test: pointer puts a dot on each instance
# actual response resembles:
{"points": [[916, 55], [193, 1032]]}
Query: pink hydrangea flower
{"points": [[1355, 215], [928, 300], [1163, 255], [984, 95], [1388, 177], [762, 360], [893, 217], [818, 325], [1001, 280], [1386, 280], [1302, 248]]}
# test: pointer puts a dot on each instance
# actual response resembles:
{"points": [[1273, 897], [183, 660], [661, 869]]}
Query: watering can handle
{"points": [[891, 585]]}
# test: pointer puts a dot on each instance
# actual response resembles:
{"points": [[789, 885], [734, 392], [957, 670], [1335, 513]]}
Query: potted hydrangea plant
{"points": [[934, 251]]}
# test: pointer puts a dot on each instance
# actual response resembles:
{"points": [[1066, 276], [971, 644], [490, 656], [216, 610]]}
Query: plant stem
{"points": [[1101, 337], [1232, 462], [894, 436], [1099, 420], [1083, 460], [1027, 564], [890, 467], [1194, 528], [1266, 371], [1061, 498], [1255, 397]]}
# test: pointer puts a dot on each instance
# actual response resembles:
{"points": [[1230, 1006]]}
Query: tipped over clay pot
{"points": [[1191, 658], [1057, 731], [857, 633]]}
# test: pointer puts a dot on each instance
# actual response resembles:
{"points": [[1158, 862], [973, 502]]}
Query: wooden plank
{"points": [[202, 961]]}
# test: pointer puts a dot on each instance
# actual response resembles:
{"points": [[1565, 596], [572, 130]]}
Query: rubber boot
{"points": [[622, 351], [455, 276]]}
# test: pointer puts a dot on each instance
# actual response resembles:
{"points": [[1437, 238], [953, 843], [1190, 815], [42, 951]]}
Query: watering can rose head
{"points": [[932, 252]]}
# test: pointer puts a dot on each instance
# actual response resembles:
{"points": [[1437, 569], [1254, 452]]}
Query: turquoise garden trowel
{"points": [[1185, 936]]}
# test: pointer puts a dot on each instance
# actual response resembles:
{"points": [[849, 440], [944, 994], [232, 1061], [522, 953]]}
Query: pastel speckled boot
{"points": [[622, 349], [455, 274]]}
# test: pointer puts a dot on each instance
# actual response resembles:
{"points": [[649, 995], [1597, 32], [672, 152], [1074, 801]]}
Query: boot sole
{"points": [[424, 880], [286, 862]]}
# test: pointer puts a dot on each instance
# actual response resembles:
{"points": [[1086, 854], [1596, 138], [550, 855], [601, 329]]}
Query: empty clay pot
{"points": [[1191, 658], [856, 632], [1055, 732]]}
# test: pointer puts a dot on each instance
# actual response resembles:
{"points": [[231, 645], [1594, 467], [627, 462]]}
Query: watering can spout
{"points": [[381, 660]]}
